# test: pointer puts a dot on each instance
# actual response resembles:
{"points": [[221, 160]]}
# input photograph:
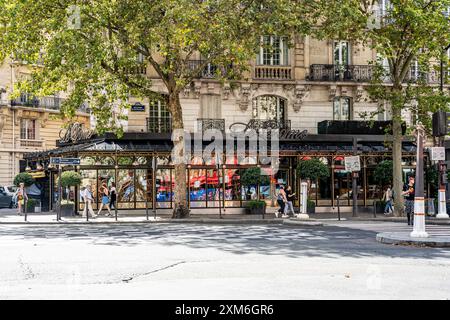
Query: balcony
{"points": [[205, 70], [334, 72], [27, 100], [28, 143], [159, 125], [208, 124], [140, 69], [273, 73], [354, 127]]}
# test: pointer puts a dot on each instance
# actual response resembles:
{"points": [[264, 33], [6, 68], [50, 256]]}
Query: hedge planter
{"points": [[256, 207], [67, 210]]}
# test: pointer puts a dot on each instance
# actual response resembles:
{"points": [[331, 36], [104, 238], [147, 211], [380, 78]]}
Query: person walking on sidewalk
{"points": [[387, 196], [281, 200], [408, 193], [289, 208], [22, 197], [88, 200], [105, 200], [112, 196]]}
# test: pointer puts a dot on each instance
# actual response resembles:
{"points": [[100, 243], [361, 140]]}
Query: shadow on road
{"points": [[326, 242]]}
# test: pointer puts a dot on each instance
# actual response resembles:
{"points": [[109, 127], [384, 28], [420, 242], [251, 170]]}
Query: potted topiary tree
{"points": [[253, 177], [312, 170], [382, 175], [69, 179]]}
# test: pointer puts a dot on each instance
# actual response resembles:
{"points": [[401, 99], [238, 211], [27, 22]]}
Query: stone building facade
{"points": [[27, 123]]}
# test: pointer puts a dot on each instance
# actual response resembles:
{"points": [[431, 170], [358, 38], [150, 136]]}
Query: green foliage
{"points": [[255, 204], [253, 177], [31, 204], [92, 47], [310, 204], [432, 177], [70, 178], [312, 169], [383, 172], [24, 178]]}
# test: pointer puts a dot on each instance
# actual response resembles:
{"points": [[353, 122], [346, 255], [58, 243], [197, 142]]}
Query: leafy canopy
{"points": [[312, 169], [91, 48]]}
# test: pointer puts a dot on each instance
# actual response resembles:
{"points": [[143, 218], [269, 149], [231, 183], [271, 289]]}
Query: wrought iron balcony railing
{"points": [[335, 72], [364, 73], [159, 125], [207, 70], [207, 124], [273, 73], [27, 100]]}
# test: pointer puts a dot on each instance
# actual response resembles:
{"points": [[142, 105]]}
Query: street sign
{"points": [[352, 163], [438, 153], [138, 107], [65, 161], [55, 160]]}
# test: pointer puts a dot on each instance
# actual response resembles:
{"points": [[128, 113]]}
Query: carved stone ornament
{"points": [[211, 87], [197, 89], [244, 95], [187, 91], [43, 119], [226, 91], [332, 93], [359, 91], [301, 91]]}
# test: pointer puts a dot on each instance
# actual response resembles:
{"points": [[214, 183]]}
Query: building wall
{"points": [[48, 125]]}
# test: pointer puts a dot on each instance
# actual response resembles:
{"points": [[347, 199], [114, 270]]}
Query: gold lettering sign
{"points": [[75, 133]]}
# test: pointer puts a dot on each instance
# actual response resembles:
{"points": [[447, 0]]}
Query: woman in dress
{"points": [[21, 196], [105, 200]]}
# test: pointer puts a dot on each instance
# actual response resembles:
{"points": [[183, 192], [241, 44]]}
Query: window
{"points": [[160, 120], [269, 108], [342, 109], [341, 53], [273, 52], [210, 106], [28, 129]]}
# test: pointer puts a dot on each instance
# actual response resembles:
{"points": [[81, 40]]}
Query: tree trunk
{"points": [[180, 207], [397, 162]]}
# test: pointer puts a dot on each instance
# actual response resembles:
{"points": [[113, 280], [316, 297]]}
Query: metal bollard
{"points": [[339, 208], [86, 207], [25, 203], [115, 209], [374, 209], [146, 208]]}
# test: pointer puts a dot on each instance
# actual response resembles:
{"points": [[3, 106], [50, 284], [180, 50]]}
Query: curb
{"points": [[302, 222], [403, 220], [404, 239]]}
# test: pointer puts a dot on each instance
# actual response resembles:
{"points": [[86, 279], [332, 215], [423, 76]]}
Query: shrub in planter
{"points": [[69, 179], [24, 178], [256, 207], [310, 206], [31, 204], [379, 206]]}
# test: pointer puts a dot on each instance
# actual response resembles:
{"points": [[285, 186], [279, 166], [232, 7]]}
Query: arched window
{"points": [[269, 108]]}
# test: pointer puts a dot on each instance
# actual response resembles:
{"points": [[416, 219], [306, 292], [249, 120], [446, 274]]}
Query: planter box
{"points": [[310, 209], [67, 210]]}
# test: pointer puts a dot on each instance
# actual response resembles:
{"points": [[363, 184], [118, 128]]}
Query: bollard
{"points": [[86, 207], [115, 210], [374, 209], [146, 209], [339, 208], [25, 203]]}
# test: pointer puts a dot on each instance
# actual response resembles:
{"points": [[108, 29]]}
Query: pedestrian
{"points": [[281, 200], [21, 196], [408, 193], [113, 196], [387, 196], [88, 200], [290, 197], [105, 200]]}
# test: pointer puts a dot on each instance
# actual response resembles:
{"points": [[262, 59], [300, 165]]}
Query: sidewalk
{"points": [[9, 216]]}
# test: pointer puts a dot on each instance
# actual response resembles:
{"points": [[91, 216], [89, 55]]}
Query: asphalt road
{"points": [[175, 261]]}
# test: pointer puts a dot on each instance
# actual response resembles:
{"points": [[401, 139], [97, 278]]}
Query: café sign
{"points": [[75, 133]]}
